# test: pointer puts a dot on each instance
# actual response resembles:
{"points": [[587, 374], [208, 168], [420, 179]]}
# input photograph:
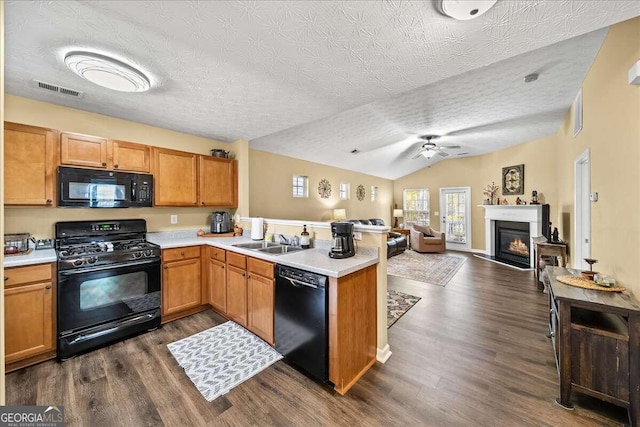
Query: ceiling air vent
{"points": [[58, 89]]}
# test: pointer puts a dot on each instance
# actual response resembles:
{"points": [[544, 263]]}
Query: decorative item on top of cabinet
{"points": [[181, 282], [217, 181], [175, 178], [83, 150], [29, 316], [29, 165]]}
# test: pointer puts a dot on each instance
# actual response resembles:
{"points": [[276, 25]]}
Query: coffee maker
{"points": [[342, 244], [220, 222]]}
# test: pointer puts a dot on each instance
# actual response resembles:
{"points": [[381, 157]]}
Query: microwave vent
{"points": [[59, 89]]}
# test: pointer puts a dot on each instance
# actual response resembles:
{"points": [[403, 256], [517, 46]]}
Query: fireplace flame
{"points": [[519, 247]]}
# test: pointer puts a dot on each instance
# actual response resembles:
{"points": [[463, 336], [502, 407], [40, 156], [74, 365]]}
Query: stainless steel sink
{"points": [[280, 250], [256, 245]]}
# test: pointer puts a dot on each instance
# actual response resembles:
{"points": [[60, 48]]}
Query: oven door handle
{"points": [[81, 338], [109, 267]]}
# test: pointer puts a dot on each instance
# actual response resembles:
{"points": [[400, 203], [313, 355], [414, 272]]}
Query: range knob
{"points": [[148, 252], [78, 262], [92, 260], [137, 254]]}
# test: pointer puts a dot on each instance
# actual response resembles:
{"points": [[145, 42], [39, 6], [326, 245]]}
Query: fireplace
{"points": [[512, 243]]}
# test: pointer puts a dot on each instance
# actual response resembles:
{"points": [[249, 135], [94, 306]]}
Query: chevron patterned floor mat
{"points": [[220, 358]]}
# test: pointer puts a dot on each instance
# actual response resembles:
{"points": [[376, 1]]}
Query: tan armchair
{"points": [[426, 239]]}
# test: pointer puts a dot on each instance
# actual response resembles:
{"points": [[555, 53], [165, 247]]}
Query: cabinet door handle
{"points": [[202, 203], [223, 266], [243, 275], [6, 278], [115, 166], [48, 287], [104, 164], [165, 267], [182, 253], [49, 201]]}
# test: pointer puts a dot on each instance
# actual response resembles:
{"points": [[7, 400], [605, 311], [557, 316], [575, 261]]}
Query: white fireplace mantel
{"points": [[531, 214]]}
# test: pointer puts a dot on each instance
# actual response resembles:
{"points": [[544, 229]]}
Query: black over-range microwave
{"points": [[104, 189]]}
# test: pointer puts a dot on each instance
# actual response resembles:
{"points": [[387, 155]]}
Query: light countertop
{"points": [[36, 257], [314, 260]]}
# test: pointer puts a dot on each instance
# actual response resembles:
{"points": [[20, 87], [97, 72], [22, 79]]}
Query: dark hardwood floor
{"points": [[471, 353]]}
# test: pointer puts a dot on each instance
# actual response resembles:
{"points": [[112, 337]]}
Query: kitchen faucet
{"points": [[283, 239]]}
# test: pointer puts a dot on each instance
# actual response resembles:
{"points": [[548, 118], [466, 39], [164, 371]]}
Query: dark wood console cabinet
{"points": [[596, 340]]}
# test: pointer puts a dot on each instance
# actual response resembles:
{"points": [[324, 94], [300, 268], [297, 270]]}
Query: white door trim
{"points": [[466, 247], [582, 209]]}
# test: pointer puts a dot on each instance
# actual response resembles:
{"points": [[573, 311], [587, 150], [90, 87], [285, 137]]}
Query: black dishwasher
{"points": [[301, 325]]}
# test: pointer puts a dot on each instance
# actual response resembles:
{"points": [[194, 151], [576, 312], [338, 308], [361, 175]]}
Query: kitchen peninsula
{"points": [[352, 292]]}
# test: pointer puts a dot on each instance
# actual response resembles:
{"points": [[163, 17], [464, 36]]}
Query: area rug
{"points": [[398, 304], [220, 358], [435, 269]]}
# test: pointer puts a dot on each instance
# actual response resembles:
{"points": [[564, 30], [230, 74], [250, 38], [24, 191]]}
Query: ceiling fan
{"points": [[430, 149]]}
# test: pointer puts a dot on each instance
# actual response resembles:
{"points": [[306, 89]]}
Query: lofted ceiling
{"points": [[317, 79]]}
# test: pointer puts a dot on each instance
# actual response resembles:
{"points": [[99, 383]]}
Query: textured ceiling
{"points": [[315, 79]]}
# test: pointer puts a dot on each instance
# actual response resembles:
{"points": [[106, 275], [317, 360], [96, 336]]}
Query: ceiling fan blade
{"points": [[452, 147], [442, 153], [418, 155]]}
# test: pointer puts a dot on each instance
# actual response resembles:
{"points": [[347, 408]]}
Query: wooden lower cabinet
{"points": [[261, 299], [237, 295], [181, 282], [216, 281], [29, 299], [352, 327]]}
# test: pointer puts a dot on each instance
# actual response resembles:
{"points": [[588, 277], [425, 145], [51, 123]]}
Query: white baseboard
{"points": [[479, 251], [383, 354]]}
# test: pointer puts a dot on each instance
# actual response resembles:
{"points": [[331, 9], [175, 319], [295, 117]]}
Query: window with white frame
{"points": [[415, 206], [344, 191], [374, 193], [300, 186]]}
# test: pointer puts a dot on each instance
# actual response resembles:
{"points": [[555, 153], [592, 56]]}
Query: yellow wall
{"points": [[611, 131], [271, 178], [39, 221], [478, 171]]}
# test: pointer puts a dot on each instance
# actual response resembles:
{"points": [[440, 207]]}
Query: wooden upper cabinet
{"points": [[218, 181], [83, 150], [29, 165], [175, 178], [128, 156]]}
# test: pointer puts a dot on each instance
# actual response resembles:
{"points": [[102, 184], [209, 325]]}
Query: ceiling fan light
{"points": [[428, 153], [107, 72]]}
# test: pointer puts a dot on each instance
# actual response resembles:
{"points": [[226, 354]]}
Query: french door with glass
{"points": [[455, 214]]}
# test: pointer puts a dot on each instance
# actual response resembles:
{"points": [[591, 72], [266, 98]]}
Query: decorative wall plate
{"points": [[360, 193], [324, 189], [513, 180]]}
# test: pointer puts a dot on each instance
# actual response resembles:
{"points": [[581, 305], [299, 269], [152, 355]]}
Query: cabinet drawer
{"points": [[217, 254], [176, 254], [261, 268], [237, 260], [29, 274]]}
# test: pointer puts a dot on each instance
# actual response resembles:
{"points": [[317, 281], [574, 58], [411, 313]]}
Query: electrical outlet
{"points": [[357, 235], [174, 219]]}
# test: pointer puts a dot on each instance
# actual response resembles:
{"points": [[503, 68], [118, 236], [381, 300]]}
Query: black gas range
{"points": [[109, 283]]}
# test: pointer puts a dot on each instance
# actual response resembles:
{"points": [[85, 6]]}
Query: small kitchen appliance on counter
{"points": [[220, 222], [342, 243]]}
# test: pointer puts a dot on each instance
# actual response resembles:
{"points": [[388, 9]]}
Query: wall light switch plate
{"points": [[174, 219], [593, 196], [357, 235]]}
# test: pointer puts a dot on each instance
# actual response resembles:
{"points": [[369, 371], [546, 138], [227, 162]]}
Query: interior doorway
{"points": [[582, 206], [455, 217]]}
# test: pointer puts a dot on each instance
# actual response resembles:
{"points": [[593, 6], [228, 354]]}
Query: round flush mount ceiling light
{"points": [[107, 72], [464, 10]]}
